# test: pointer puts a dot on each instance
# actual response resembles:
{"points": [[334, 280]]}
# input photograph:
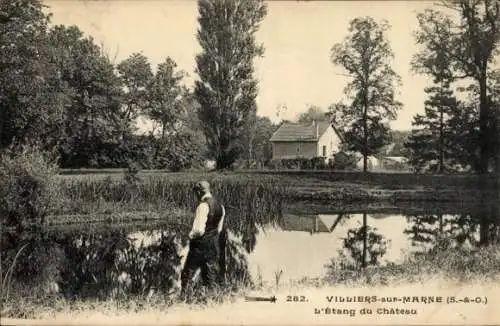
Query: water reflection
{"points": [[94, 263], [428, 231], [102, 262]]}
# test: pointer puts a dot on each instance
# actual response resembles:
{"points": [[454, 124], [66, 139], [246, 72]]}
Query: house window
{"points": [[324, 151], [298, 148]]}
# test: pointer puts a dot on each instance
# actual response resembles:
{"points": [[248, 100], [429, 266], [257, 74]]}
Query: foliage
{"points": [[227, 90], [463, 265], [378, 135], [444, 138], [171, 107], [313, 113], [28, 191], [301, 163], [399, 138], [340, 161], [31, 94], [166, 97], [344, 161], [179, 152], [92, 122], [365, 54], [452, 231], [258, 141], [376, 247], [136, 75], [468, 46], [59, 87]]}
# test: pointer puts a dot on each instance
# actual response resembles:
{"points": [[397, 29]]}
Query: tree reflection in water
{"points": [[93, 264], [362, 247], [442, 231], [111, 263], [107, 263]]}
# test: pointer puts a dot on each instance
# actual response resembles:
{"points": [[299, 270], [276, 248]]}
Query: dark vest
{"points": [[214, 215]]}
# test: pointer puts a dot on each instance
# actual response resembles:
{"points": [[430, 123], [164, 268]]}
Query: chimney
{"points": [[316, 128]]}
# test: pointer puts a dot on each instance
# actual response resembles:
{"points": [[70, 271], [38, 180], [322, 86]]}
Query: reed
{"points": [[250, 201], [461, 265]]}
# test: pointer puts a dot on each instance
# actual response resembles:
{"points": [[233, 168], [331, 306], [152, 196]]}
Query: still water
{"points": [[103, 261]]}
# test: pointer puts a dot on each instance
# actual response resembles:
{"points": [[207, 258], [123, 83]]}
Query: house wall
{"points": [[284, 150], [331, 140]]}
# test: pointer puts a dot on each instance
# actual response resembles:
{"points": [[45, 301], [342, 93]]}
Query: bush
{"points": [[302, 163], [318, 163], [343, 161], [28, 191]]}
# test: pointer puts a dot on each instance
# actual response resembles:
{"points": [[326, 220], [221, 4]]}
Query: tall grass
{"points": [[463, 265], [250, 201]]}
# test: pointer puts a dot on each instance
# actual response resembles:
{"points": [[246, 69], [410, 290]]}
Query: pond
{"points": [[108, 261]]}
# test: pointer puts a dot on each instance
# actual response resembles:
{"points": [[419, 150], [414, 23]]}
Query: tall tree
{"points": [[430, 142], [166, 97], [365, 54], [471, 43], [92, 122], [171, 107], [227, 89], [31, 99], [495, 100], [136, 75]]}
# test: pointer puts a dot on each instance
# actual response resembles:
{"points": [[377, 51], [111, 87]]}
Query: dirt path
{"points": [[303, 313]]}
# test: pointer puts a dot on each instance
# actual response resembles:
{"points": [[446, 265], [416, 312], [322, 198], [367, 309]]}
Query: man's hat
{"points": [[202, 186]]}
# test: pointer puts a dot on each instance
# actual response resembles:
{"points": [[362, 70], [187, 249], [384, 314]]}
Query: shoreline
{"points": [[319, 201]]}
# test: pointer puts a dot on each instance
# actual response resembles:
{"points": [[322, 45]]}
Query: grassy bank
{"points": [[455, 269], [153, 186], [154, 195], [460, 265], [395, 180]]}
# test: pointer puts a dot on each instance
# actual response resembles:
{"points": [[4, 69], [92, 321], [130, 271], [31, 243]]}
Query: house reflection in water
{"points": [[325, 223], [308, 242]]}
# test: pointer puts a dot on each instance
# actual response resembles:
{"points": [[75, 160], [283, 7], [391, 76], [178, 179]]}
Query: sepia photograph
{"points": [[249, 162]]}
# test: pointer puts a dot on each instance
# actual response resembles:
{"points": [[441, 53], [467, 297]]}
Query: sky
{"points": [[295, 71]]}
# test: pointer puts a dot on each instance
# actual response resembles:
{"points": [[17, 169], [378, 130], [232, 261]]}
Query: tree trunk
{"points": [[484, 227], [3, 123], [484, 126], [441, 141], [250, 152], [497, 147], [365, 236], [365, 132], [159, 144]]}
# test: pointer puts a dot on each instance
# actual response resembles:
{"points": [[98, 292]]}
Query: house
{"points": [[295, 140]]}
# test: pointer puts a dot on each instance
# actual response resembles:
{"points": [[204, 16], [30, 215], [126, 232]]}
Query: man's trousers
{"points": [[203, 254]]}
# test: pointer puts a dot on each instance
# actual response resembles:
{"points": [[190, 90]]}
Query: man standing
{"points": [[204, 245]]}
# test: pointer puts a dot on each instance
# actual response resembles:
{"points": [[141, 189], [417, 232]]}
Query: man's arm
{"points": [[200, 221], [221, 222]]}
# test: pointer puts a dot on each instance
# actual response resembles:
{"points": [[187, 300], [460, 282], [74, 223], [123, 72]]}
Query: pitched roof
{"points": [[299, 131]]}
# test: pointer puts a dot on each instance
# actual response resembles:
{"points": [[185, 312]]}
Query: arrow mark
{"points": [[269, 299]]}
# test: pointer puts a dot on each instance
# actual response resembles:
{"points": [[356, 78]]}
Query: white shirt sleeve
{"points": [[200, 221], [221, 222]]}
